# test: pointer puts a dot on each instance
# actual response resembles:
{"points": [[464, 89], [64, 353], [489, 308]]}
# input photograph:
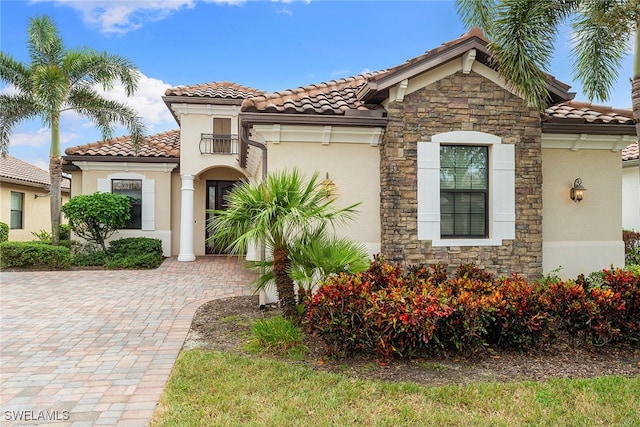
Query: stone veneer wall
{"points": [[461, 102]]}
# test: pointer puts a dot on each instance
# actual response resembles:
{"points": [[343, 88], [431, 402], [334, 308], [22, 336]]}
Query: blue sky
{"points": [[269, 45]]}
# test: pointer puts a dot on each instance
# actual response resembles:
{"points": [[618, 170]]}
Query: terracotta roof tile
{"points": [[17, 170], [228, 90], [589, 113], [631, 152], [333, 97], [165, 144]]}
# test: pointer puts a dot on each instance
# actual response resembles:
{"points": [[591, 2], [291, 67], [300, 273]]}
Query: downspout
{"points": [[246, 142]]}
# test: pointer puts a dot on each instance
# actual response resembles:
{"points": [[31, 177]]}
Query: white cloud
{"points": [[38, 138], [122, 16], [147, 101]]}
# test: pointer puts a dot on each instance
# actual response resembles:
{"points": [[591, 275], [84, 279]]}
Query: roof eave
{"points": [[313, 119], [588, 128]]}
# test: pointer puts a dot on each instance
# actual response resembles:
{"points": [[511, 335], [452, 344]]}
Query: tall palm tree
{"points": [[523, 32], [58, 80], [277, 212]]}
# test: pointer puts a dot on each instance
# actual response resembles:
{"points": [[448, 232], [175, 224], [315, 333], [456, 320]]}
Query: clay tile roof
{"points": [[165, 144], [585, 112], [631, 152], [226, 90], [16, 170], [333, 97]]}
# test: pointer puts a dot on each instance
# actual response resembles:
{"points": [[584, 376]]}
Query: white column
{"points": [[186, 219]]}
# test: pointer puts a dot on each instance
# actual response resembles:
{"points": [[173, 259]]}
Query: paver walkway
{"points": [[86, 348]]}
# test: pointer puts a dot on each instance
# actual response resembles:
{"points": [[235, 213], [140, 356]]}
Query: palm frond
{"points": [[15, 73], [104, 113], [477, 13], [89, 67], [44, 43], [596, 60], [14, 109]]}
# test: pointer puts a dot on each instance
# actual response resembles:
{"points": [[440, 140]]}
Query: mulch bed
{"points": [[224, 325]]}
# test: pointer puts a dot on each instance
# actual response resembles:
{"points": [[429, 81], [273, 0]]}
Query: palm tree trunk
{"points": [[635, 83], [55, 175], [284, 284]]}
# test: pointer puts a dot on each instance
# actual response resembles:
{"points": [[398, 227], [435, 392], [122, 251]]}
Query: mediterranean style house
{"points": [[24, 197], [449, 163]]}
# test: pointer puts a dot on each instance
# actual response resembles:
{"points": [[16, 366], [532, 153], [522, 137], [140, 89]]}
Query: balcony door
{"points": [[216, 200]]}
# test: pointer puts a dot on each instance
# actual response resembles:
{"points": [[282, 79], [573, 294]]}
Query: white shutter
{"points": [[104, 185], [428, 190], [148, 204], [503, 187]]}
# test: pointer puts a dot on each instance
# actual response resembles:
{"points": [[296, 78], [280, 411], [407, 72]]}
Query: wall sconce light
{"points": [[577, 191], [328, 186]]}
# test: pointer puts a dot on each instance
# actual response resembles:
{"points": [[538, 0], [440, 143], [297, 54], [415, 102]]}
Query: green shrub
{"points": [[631, 241], [90, 258], [135, 245], [41, 236], [4, 232], [134, 252], [137, 261], [34, 255], [65, 232], [95, 217]]}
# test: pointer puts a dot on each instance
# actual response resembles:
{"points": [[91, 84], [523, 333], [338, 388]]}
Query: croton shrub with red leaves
{"points": [[389, 312]]}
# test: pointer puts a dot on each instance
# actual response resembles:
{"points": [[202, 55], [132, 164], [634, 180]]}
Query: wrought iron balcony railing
{"points": [[214, 143]]}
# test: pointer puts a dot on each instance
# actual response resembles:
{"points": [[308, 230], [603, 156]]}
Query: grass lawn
{"points": [[213, 388]]}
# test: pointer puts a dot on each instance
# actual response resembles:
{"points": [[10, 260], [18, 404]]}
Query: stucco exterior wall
{"points": [[36, 214], [161, 176], [192, 126], [631, 195], [461, 102], [354, 169], [587, 236]]}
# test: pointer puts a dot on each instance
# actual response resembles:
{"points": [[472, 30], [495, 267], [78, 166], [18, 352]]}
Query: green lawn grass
{"points": [[220, 389]]}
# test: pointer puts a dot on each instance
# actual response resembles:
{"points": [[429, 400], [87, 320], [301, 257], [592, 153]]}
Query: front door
{"points": [[216, 200]]}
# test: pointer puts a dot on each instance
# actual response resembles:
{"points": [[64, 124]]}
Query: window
{"points": [[463, 191], [146, 196], [17, 208], [131, 188], [466, 189]]}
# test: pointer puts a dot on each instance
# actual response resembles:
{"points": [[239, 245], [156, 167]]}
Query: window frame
{"points": [[135, 220], [469, 191], [14, 210], [501, 201]]}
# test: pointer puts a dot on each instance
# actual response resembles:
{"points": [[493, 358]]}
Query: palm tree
{"points": [[58, 80], [277, 212], [313, 259], [523, 32]]}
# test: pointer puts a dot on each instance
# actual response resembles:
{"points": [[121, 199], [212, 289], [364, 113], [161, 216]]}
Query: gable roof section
{"points": [[584, 117], [163, 146], [17, 171], [377, 89]]}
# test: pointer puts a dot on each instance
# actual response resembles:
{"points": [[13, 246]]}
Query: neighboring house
{"points": [[631, 188], [24, 197], [450, 165]]}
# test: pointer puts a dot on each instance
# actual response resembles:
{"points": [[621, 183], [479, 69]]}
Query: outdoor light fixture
{"points": [[327, 185], [577, 191]]}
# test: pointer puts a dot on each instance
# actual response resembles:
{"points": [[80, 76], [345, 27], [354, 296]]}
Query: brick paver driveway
{"points": [[86, 348]]}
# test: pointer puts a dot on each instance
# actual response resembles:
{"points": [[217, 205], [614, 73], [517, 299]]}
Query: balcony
{"points": [[214, 143]]}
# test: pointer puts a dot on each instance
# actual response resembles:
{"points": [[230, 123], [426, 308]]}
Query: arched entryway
{"points": [[211, 189]]}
